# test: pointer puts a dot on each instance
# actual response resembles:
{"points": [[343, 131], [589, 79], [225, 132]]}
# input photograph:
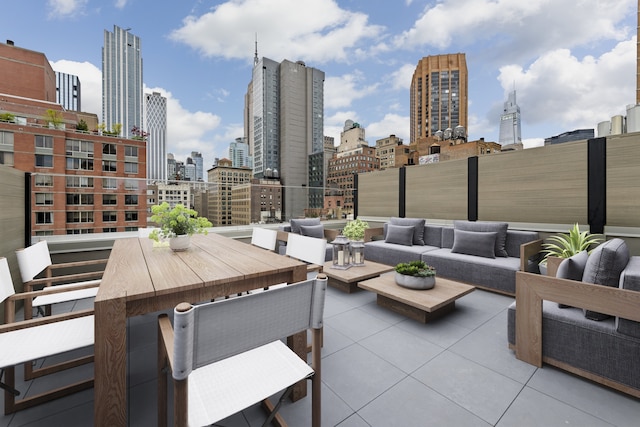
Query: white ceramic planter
{"points": [[180, 243], [414, 282]]}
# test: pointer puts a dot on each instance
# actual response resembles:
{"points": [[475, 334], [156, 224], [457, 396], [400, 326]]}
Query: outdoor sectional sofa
{"points": [[482, 253], [552, 319]]}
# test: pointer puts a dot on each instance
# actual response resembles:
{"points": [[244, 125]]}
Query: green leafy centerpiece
{"points": [[178, 224], [354, 230], [415, 275]]}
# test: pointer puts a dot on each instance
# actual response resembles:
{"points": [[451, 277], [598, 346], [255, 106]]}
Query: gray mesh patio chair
{"points": [[227, 355]]}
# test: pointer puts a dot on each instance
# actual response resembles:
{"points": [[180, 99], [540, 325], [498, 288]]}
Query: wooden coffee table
{"points": [[420, 305], [347, 280]]}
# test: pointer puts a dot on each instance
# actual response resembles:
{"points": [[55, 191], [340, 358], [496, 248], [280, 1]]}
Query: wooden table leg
{"points": [[110, 366]]}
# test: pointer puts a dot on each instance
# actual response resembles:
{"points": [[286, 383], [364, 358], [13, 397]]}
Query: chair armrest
{"points": [[165, 337], [23, 324], [67, 278], [532, 289], [528, 250], [73, 264], [372, 232]]}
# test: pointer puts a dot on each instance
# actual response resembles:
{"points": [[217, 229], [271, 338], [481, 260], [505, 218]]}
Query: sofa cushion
{"points": [[604, 266], [400, 234], [479, 243], [296, 223], [416, 223], [572, 268], [630, 279], [316, 231], [485, 226], [433, 235]]}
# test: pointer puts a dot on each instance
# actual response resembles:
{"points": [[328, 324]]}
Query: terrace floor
{"points": [[382, 369]]}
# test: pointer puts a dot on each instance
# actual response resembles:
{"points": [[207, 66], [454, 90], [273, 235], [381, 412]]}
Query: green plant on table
{"points": [[567, 245], [415, 268], [354, 230], [176, 221]]}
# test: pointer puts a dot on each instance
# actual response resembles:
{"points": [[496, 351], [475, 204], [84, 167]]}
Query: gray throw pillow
{"points": [[296, 223], [478, 243], [416, 223], [572, 268], [604, 266], [486, 226], [399, 234], [312, 231]]}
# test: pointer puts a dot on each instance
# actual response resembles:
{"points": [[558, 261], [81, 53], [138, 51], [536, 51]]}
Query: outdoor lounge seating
{"points": [[482, 253], [25, 341], [552, 320], [218, 371]]}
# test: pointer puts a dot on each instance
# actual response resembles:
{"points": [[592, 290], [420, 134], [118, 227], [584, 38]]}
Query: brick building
{"points": [[343, 168]]}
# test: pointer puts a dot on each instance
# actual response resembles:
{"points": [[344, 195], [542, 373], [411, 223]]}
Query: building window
{"points": [[44, 161], [6, 139], [130, 216], [109, 199], [79, 216], [130, 184], [109, 183], [44, 233], [74, 163], [75, 147], [109, 229], [130, 167], [6, 158], [109, 149], [44, 181], [44, 218], [130, 151], [79, 199], [131, 199], [44, 199], [80, 231], [44, 141], [109, 166], [109, 216], [79, 182]]}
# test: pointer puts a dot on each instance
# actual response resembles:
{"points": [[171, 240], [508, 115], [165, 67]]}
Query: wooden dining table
{"points": [[141, 278]]}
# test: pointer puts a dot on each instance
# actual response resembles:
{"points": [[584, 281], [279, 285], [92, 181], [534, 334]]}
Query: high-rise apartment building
{"points": [[222, 178], [510, 125], [387, 148], [122, 80], [239, 153], [156, 135], [198, 162], [285, 125], [68, 91], [343, 168], [438, 95]]}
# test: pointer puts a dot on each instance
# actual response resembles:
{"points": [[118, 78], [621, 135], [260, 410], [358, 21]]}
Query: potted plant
{"points": [[415, 275], [562, 246], [178, 224], [354, 230]]}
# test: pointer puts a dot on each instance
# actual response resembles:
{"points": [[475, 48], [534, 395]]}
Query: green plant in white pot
{"points": [[354, 230], [567, 245], [415, 275], [177, 224]]}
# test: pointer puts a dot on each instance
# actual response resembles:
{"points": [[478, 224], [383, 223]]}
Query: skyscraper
{"points": [[239, 153], [286, 109], [122, 80], [198, 161], [156, 120], [438, 95], [68, 91], [510, 127]]}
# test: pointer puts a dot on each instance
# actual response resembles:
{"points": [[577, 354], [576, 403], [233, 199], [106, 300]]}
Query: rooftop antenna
{"points": [[255, 58]]}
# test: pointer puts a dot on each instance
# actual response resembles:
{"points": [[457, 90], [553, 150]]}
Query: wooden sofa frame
{"points": [[532, 289]]}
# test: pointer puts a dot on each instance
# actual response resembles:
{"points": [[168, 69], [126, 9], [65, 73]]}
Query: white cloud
{"points": [[401, 78], [65, 8], [533, 142], [90, 83], [334, 124], [229, 30], [120, 4], [391, 124], [340, 92], [517, 28], [560, 88]]}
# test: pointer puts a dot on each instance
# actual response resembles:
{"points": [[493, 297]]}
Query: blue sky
{"points": [[572, 62]]}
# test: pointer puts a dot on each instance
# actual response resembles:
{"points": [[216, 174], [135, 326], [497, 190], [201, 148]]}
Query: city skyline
{"points": [[572, 67]]}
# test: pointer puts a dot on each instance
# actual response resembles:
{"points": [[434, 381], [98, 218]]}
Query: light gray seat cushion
{"points": [[392, 254], [495, 273], [630, 279]]}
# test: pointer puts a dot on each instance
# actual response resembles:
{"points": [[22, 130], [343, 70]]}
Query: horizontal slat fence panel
{"points": [[378, 193], [623, 182]]}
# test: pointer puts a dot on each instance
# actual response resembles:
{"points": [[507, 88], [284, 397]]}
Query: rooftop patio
{"points": [[381, 369]]}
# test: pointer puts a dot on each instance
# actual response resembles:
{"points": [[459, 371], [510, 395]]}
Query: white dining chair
{"points": [[264, 238]]}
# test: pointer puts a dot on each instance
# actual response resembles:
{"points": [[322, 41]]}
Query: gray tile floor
{"points": [[382, 369]]}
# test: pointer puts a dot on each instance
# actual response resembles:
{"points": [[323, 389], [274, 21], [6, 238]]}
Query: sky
{"points": [[571, 62]]}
